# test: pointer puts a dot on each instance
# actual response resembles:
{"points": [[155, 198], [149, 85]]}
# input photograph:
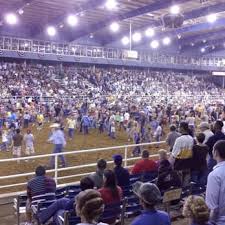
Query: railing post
{"points": [[56, 169], [125, 157]]}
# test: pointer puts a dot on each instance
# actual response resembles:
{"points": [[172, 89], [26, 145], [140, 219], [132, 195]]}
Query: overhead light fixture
{"points": [[72, 20], [114, 27], [154, 44], [179, 36], [91, 35], [202, 50], [175, 9], [11, 18], [136, 37], [192, 44], [125, 40], [166, 41], [111, 4], [213, 47], [51, 31], [149, 32], [204, 41], [211, 18], [20, 11]]}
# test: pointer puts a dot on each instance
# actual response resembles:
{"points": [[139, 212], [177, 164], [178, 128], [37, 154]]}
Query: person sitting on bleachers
{"points": [[110, 192], [149, 196], [196, 210], [89, 207], [122, 174], [39, 185], [97, 177], [144, 165], [58, 207], [199, 163]]}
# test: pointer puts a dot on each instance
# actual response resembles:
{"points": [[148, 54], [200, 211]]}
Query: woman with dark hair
{"points": [[110, 192]]}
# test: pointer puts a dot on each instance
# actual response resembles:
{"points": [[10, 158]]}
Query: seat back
{"points": [[133, 206], [72, 191], [61, 192], [20, 205], [41, 198]]}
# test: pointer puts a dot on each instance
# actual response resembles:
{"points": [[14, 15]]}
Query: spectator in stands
{"points": [[204, 127], [215, 197], [89, 207], [172, 136], [167, 177], [39, 185], [145, 165], [182, 153], [196, 210], [110, 192], [199, 163], [149, 196], [58, 208], [97, 177], [58, 139], [122, 174], [218, 135], [17, 144]]}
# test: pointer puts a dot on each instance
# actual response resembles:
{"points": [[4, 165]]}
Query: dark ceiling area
{"points": [[94, 20]]}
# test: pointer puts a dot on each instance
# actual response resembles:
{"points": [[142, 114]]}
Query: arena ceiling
{"points": [[94, 20]]}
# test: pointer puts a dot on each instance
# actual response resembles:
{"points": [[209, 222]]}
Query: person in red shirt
{"points": [[110, 192], [144, 165]]}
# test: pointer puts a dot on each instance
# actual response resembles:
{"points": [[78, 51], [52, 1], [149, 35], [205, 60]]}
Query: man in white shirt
{"points": [[71, 122], [215, 191], [204, 127]]}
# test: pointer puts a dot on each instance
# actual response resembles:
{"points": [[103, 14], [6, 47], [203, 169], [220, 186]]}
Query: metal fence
{"points": [[56, 170]]}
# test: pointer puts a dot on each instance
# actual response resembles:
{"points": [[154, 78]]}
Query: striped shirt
{"points": [[40, 185]]}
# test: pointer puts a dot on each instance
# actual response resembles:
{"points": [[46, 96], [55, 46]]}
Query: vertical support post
{"points": [[223, 82], [130, 35], [125, 157], [56, 169]]}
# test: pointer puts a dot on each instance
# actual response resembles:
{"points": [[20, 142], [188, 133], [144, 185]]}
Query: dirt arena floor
{"points": [[80, 142]]}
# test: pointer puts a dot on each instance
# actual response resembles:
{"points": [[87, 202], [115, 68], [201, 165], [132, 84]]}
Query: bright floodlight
{"points": [[175, 9], [114, 27], [154, 44], [149, 32], [51, 31], [166, 41], [211, 18], [125, 40], [20, 11], [136, 37], [72, 20], [11, 18], [202, 50], [111, 4]]}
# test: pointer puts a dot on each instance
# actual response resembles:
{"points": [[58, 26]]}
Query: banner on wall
{"points": [[130, 54]]}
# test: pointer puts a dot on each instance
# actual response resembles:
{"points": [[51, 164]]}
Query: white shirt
{"points": [[126, 116], [208, 133]]}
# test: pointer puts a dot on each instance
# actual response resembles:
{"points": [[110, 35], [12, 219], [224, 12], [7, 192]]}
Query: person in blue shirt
{"points": [[85, 123], [122, 174], [196, 210], [149, 196]]}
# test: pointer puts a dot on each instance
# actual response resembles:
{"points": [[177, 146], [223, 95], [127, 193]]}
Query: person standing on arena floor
{"points": [[26, 120], [29, 143], [149, 196], [182, 153], [172, 136], [215, 197], [58, 139], [40, 121], [17, 144], [85, 121], [218, 135], [71, 123], [204, 127]]}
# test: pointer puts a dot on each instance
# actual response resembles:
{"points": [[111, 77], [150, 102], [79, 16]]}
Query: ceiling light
{"points": [[11, 18], [125, 40], [202, 50], [20, 11], [149, 32], [175, 9], [51, 31], [136, 37], [154, 44], [111, 4], [179, 36], [204, 41], [72, 20], [211, 18], [91, 35], [166, 41], [114, 27]]}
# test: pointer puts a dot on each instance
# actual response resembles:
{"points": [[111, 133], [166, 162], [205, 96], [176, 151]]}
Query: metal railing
{"points": [[56, 169]]}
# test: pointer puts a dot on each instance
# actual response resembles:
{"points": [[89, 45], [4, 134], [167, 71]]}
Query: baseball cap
{"points": [[148, 192], [117, 158]]}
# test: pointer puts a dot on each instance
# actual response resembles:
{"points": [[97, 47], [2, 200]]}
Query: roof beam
{"points": [[157, 5]]}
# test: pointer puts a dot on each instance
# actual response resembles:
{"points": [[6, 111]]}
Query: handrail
{"points": [[56, 169]]}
